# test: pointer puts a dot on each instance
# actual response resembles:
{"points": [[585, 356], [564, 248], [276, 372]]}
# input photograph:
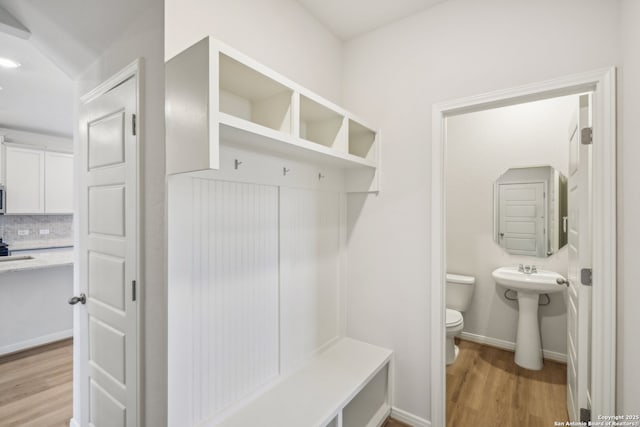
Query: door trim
{"points": [[602, 83], [134, 69]]}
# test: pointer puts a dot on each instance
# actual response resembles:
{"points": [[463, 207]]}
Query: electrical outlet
{"points": [[44, 231], [23, 232]]}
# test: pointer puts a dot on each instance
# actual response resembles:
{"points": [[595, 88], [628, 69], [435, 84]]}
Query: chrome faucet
{"points": [[527, 269]]}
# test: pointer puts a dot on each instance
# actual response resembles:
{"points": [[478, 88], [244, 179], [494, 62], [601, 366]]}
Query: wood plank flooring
{"points": [[485, 388], [394, 423], [36, 387]]}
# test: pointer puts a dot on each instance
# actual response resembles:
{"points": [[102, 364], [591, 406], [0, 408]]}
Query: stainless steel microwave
{"points": [[3, 199]]}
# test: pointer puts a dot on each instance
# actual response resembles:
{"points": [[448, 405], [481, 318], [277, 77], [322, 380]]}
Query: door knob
{"points": [[74, 300], [561, 281]]}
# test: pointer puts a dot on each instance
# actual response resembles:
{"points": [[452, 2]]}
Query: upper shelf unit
{"points": [[216, 95]]}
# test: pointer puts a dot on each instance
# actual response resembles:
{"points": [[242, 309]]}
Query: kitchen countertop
{"points": [[41, 259]]}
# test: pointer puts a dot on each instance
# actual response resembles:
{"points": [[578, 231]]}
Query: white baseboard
{"points": [[511, 346], [408, 418], [74, 423], [34, 342], [380, 416]]}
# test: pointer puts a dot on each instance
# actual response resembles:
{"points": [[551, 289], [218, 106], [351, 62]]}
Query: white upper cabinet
{"points": [[24, 180], [38, 181], [217, 96], [58, 187]]}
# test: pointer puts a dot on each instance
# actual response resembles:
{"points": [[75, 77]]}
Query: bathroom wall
{"points": [[481, 146], [392, 77], [59, 227]]}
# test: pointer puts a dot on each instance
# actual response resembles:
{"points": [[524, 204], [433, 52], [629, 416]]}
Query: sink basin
{"points": [[15, 258], [542, 282], [529, 287]]}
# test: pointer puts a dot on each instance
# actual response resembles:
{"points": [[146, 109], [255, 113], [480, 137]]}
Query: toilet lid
{"points": [[453, 317]]}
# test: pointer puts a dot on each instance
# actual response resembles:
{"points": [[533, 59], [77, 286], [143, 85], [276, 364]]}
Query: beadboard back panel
{"points": [[254, 289], [309, 272], [229, 300]]}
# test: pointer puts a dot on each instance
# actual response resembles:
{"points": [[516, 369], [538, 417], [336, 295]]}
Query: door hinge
{"points": [[586, 136], [586, 277], [133, 124], [133, 290], [585, 415]]}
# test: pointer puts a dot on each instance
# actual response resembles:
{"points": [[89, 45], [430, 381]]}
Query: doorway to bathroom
{"points": [[512, 195]]}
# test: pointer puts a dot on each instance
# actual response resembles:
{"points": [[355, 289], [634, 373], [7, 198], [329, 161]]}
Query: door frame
{"points": [[602, 83], [80, 403]]}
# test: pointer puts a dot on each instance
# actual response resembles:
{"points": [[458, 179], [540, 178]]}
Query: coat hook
{"points": [[320, 176], [236, 163], [285, 171]]}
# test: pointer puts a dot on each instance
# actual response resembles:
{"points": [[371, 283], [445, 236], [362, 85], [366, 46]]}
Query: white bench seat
{"points": [[315, 395]]}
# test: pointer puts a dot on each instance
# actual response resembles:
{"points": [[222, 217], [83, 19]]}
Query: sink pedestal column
{"points": [[528, 343]]}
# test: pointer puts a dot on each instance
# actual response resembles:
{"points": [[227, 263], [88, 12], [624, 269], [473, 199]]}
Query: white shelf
{"points": [[234, 130], [317, 393], [216, 96]]}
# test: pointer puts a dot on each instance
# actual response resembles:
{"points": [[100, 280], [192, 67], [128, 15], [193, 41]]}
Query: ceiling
{"points": [[67, 36], [350, 18], [36, 97]]}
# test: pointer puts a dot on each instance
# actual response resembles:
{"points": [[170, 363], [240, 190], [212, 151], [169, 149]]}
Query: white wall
{"points": [[281, 34], [629, 211], [392, 77], [481, 146], [144, 39]]}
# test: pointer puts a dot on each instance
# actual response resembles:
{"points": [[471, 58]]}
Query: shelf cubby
{"points": [[321, 125], [252, 96], [362, 141]]}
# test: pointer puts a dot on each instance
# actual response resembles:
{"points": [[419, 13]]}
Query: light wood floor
{"points": [[485, 388], [36, 387], [393, 423]]}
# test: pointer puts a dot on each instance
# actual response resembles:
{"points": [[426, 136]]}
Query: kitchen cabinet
{"points": [[58, 183], [24, 180], [38, 181]]}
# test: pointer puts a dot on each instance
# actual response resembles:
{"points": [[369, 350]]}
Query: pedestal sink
{"points": [[529, 286]]}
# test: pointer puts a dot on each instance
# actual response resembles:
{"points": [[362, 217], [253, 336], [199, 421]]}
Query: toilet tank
{"points": [[459, 291]]}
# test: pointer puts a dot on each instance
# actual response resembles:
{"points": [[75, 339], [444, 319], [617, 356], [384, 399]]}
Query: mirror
{"points": [[530, 211]]}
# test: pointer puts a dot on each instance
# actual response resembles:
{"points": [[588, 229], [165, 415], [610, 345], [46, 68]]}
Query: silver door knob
{"points": [[561, 281], [74, 300]]}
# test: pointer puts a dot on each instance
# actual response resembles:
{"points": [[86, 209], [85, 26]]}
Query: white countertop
{"points": [[41, 259]]}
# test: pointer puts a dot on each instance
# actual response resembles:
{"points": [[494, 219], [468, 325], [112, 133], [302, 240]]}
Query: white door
{"points": [[522, 218], [24, 180], [579, 295], [108, 261]]}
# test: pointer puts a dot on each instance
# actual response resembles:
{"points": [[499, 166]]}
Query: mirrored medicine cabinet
{"points": [[530, 211]]}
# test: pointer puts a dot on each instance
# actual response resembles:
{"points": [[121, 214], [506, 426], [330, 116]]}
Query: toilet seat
{"points": [[453, 318]]}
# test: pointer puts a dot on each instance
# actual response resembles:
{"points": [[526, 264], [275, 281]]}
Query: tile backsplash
{"points": [[36, 231]]}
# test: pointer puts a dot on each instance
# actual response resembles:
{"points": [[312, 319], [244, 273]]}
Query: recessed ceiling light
{"points": [[8, 63]]}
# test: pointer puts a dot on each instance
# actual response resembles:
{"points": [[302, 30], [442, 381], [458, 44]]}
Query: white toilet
{"points": [[459, 292]]}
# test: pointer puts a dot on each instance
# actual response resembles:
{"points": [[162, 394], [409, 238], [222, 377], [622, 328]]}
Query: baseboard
{"points": [[510, 346], [35, 342], [408, 418], [74, 423], [380, 416]]}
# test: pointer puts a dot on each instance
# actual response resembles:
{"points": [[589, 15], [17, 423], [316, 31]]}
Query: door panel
{"points": [[24, 181], [579, 247], [58, 189], [108, 258]]}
